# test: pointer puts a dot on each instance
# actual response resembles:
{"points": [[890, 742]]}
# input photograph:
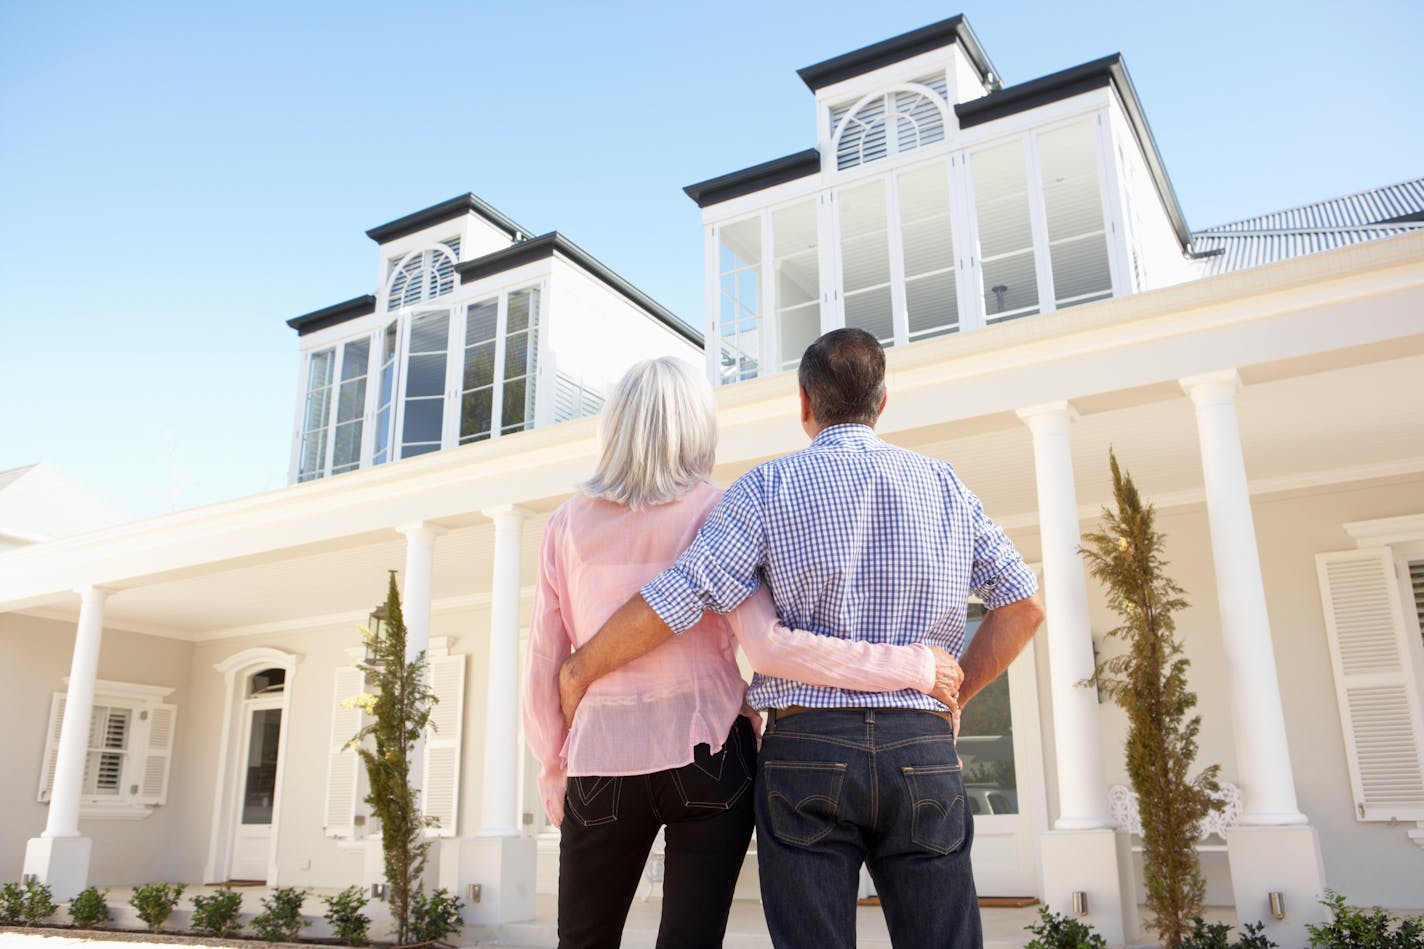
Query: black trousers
{"points": [[609, 828]]}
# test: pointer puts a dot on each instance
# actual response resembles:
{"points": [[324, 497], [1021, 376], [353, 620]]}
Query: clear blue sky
{"points": [[178, 179]]}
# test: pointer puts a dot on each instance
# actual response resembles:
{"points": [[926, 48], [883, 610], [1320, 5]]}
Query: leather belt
{"points": [[776, 714]]}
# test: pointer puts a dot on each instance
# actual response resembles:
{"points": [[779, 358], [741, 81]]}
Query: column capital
{"points": [[1212, 388], [1048, 416], [94, 592], [419, 529], [507, 511]]}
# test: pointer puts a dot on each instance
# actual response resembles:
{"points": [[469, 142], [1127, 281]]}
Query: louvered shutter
{"points": [[343, 765], [441, 796], [1374, 682], [51, 757], [157, 754]]}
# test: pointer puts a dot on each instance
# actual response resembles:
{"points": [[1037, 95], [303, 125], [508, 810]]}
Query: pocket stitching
{"points": [[837, 769], [916, 802]]}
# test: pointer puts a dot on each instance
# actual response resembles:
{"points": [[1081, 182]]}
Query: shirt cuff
{"points": [[1015, 583], [674, 599], [926, 680]]}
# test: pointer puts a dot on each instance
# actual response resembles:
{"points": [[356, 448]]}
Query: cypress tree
{"points": [[1149, 682], [398, 704]]}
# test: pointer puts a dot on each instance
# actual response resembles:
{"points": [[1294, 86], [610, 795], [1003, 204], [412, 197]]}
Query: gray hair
{"points": [[658, 433]]}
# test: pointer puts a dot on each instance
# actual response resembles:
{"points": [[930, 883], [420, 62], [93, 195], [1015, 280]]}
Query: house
{"points": [[1019, 249]]}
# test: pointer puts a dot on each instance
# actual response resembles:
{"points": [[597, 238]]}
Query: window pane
{"points": [[425, 375], [514, 409], [354, 356], [423, 419], [479, 365], [316, 415], [1073, 204], [260, 783], [870, 311], [481, 321], [346, 453], [798, 280], [1005, 235], [388, 384], [930, 291], [475, 414], [519, 306], [740, 283], [430, 332], [986, 747]]}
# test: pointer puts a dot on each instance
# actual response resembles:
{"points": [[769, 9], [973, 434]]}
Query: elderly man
{"points": [[862, 540]]}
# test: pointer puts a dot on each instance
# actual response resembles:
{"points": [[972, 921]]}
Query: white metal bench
{"points": [[1122, 805]]}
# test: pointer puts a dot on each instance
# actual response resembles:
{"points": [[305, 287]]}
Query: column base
{"points": [[1283, 860], [1097, 863], [61, 863], [503, 867]]}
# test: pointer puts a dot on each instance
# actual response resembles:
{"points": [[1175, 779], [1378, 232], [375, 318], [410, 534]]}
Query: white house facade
{"points": [[176, 682]]}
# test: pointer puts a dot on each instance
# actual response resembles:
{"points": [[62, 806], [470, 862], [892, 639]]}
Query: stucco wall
{"points": [[37, 655]]}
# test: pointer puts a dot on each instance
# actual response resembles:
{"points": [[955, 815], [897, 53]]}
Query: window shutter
{"points": [[157, 754], [442, 745], [343, 767], [51, 758], [1374, 682]]}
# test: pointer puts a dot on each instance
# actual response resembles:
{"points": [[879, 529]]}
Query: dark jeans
{"points": [[609, 827], [840, 787]]}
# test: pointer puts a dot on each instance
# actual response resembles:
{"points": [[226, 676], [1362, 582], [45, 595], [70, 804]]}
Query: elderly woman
{"points": [[666, 741]]}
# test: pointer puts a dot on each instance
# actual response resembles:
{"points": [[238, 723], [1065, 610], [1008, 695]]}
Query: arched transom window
{"points": [[423, 275], [889, 123]]}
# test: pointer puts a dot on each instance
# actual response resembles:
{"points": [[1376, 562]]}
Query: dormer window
{"points": [[422, 275], [889, 123]]}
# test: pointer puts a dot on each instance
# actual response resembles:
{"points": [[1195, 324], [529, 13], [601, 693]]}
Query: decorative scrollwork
{"points": [[1123, 807]]}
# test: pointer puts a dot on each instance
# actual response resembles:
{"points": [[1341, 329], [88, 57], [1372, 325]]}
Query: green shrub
{"points": [[343, 913], [1056, 931], [12, 903], [217, 915], [435, 917], [1215, 936], [154, 902], [1353, 928], [37, 903], [281, 919], [89, 909]]}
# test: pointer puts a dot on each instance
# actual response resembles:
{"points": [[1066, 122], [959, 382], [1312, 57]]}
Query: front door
{"points": [[257, 790], [1001, 749]]}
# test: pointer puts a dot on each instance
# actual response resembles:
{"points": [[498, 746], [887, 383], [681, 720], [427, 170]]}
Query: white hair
{"points": [[658, 433]]}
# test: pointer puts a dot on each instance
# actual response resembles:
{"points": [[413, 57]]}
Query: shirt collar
{"points": [[847, 435]]}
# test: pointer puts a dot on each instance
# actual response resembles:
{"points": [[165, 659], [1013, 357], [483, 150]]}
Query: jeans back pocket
{"points": [[802, 798], [937, 806], [593, 800], [714, 781]]}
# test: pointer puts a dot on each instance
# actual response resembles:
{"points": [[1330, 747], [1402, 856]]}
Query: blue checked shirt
{"points": [[857, 539]]}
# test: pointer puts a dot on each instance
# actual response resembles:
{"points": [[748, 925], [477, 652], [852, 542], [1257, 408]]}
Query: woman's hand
{"points": [[948, 677]]}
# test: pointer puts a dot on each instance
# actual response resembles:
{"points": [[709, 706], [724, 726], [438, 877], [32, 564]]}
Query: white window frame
{"points": [[144, 704]]}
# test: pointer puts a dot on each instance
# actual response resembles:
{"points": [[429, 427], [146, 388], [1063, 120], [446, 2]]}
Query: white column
{"points": [[415, 594], [1258, 720], [78, 708], [499, 809], [1082, 789]]}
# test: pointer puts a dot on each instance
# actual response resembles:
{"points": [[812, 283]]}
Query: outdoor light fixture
{"points": [[1080, 903], [1278, 904], [378, 891], [999, 290], [472, 893]]}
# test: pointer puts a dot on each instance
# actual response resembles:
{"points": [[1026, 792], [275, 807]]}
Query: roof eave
{"points": [[456, 207], [857, 62]]}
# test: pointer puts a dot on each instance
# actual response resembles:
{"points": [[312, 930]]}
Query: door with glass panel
{"points": [[422, 421], [259, 762], [1001, 750]]}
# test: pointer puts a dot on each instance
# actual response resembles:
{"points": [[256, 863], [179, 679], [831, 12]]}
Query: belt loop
{"points": [[870, 716]]}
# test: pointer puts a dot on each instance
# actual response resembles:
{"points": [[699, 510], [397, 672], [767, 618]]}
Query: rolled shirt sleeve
{"points": [[998, 575], [721, 567]]}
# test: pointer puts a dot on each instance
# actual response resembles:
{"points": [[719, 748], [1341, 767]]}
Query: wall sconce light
{"points": [[1080, 903], [1278, 904], [472, 893], [378, 891], [29, 878], [999, 290]]}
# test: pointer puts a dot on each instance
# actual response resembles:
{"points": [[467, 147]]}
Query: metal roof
{"points": [[1338, 222]]}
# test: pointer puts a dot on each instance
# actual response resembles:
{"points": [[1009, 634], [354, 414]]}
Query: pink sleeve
{"points": [[826, 660], [549, 646]]}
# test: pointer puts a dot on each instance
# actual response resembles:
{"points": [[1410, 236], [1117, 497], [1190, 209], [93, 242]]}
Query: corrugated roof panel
{"points": [[1353, 210], [1240, 251]]}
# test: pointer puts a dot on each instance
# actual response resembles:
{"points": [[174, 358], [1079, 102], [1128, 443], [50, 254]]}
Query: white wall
{"points": [[37, 654]]}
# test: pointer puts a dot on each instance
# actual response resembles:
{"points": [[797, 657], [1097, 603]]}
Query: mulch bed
{"points": [[168, 936]]}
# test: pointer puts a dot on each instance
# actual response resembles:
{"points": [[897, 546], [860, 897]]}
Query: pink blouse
{"points": [[648, 715]]}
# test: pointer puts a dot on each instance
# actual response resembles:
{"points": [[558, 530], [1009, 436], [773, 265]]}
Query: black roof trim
{"points": [[1108, 71], [546, 245], [869, 58], [446, 211], [756, 178], [332, 315]]}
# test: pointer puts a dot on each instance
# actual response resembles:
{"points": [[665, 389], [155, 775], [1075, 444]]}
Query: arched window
{"points": [[889, 123], [423, 275]]}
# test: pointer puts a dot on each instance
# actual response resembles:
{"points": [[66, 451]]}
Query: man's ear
{"points": [[883, 400], [807, 416]]}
